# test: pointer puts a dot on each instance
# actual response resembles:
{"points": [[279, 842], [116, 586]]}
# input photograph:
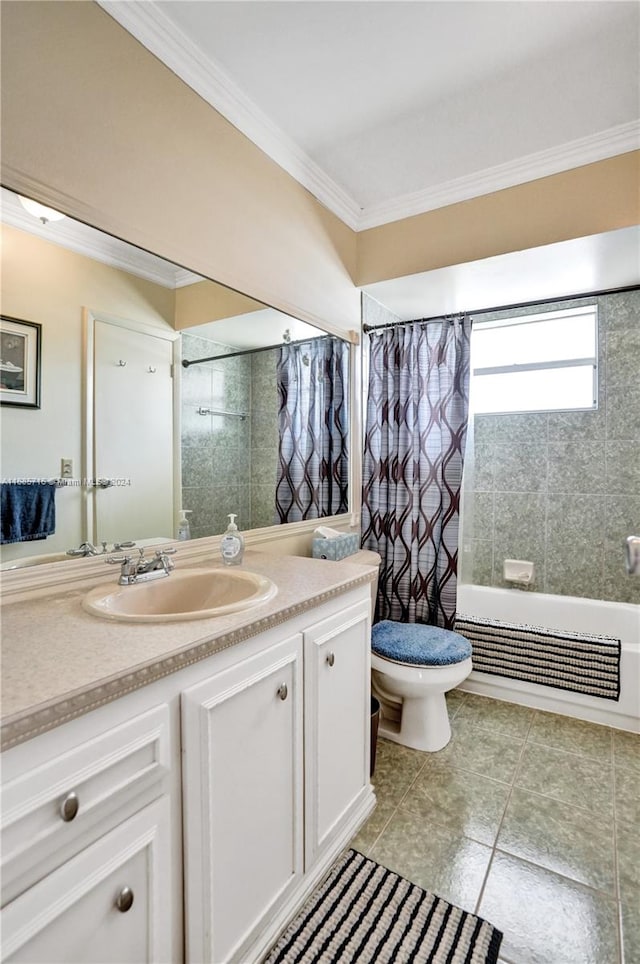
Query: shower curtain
{"points": [[313, 421], [417, 413]]}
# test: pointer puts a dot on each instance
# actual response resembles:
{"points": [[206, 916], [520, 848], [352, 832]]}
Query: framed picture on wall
{"points": [[19, 362]]}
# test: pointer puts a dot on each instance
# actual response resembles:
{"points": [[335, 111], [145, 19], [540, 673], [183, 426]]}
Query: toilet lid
{"points": [[418, 645]]}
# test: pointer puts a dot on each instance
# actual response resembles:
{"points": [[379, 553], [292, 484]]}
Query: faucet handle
{"points": [[117, 560], [165, 552]]}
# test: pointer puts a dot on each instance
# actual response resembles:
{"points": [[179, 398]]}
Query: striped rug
{"points": [[363, 912], [580, 662]]}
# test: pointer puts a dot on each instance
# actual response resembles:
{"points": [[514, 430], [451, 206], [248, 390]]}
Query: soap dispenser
{"points": [[232, 543], [184, 529]]}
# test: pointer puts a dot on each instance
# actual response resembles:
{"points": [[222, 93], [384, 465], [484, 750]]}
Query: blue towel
{"points": [[27, 511]]}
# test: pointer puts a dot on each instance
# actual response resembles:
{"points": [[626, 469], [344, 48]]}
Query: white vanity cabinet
{"points": [[337, 701], [216, 796], [243, 803], [87, 867], [109, 903], [276, 780]]}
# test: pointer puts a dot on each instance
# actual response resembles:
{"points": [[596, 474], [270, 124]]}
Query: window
{"points": [[536, 363]]}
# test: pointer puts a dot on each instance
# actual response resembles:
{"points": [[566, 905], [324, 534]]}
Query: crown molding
{"points": [[93, 243], [145, 21], [555, 160]]}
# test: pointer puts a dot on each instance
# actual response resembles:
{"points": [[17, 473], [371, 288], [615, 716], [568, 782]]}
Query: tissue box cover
{"points": [[343, 545]]}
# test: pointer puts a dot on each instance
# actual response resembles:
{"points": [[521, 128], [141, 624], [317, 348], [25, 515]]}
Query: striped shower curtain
{"points": [[313, 420], [416, 425]]}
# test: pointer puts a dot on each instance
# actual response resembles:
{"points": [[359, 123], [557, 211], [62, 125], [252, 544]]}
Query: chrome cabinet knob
{"points": [[331, 658], [283, 692], [124, 900], [69, 807]]}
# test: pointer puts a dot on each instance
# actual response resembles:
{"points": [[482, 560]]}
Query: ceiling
{"points": [[387, 108]]}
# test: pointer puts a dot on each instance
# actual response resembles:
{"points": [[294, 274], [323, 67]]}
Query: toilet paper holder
{"points": [[519, 571]]}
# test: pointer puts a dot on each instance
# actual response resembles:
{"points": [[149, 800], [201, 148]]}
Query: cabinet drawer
{"points": [[111, 902], [55, 809]]}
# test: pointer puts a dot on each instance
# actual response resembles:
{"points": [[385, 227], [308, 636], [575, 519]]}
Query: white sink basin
{"points": [[185, 594]]}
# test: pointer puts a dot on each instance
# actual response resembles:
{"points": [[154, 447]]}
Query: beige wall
{"points": [[587, 200], [96, 125], [45, 283], [206, 301]]}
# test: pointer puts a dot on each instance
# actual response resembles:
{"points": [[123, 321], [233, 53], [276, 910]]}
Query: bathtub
{"points": [[570, 613]]}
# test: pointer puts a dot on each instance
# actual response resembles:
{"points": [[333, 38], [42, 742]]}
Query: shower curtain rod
{"points": [[485, 311], [252, 351]]}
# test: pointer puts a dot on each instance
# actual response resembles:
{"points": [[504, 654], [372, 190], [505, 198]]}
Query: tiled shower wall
{"points": [[216, 454], [228, 463], [264, 438], [563, 489]]}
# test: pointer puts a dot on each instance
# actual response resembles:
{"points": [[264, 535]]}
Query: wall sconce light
{"points": [[40, 211]]}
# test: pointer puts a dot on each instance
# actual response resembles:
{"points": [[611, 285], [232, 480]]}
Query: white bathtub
{"points": [[569, 613]]}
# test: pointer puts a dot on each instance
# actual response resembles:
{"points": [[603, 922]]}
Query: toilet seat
{"points": [[416, 644]]}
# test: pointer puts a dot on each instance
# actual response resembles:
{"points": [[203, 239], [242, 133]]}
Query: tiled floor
{"points": [[527, 818]]}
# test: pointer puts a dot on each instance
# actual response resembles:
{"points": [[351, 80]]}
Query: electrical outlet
{"points": [[66, 468]]}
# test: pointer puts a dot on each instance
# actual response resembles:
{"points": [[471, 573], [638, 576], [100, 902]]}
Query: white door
{"points": [[243, 784], [337, 735], [133, 434]]}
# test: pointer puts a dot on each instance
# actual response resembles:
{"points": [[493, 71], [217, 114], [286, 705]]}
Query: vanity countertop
{"points": [[59, 662]]}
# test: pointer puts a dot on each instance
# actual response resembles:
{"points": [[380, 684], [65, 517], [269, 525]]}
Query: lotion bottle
{"points": [[184, 529], [232, 543]]}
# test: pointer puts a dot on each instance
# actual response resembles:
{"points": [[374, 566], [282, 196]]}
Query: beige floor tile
{"points": [[496, 715], [573, 736], [371, 830], [628, 841], [627, 795], [435, 858], [577, 780], [631, 927], [481, 751], [626, 749], [565, 839], [455, 698], [547, 919], [396, 768], [465, 802]]}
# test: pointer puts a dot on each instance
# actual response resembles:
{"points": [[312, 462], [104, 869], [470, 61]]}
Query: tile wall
{"points": [[563, 489], [264, 438], [228, 463]]}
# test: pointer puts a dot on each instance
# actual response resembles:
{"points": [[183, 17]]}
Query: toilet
{"points": [[413, 666]]}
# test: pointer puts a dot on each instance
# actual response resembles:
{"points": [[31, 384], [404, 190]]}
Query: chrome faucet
{"points": [[88, 549], [84, 549], [141, 569]]}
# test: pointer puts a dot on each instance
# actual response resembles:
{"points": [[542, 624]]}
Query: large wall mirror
{"points": [[160, 391]]}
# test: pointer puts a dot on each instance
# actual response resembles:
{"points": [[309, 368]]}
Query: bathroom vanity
{"points": [[174, 791]]}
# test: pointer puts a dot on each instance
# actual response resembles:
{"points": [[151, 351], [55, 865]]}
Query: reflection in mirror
{"points": [[285, 430], [264, 429]]}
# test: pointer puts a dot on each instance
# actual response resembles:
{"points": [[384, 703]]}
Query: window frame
{"points": [[514, 368]]}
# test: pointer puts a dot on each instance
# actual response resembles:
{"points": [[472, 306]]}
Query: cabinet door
{"points": [[243, 786], [337, 735], [81, 913]]}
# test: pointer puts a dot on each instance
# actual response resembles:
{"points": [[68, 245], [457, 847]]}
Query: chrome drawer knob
{"points": [[331, 658], [69, 807], [283, 692], [124, 900]]}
